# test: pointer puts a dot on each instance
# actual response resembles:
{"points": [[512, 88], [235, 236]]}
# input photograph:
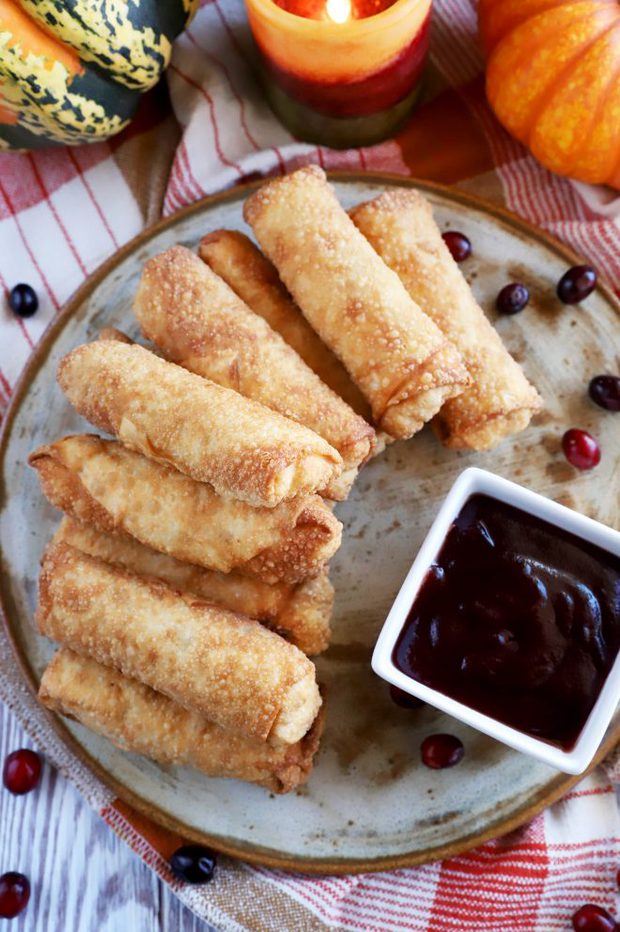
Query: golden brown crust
{"points": [[201, 324], [356, 304], [241, 264], [225, 666], [500, 401], [317, 531], [138, 719], [208, 432], [308, 614], [111, 333], [300, 613], [101, 482]]}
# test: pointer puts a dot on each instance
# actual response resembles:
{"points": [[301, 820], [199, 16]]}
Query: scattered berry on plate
{"points": [[512, 298], [458, 244], [581, 449], [576, 284], [22, 771], [193, 863], [14, 894], [604, 390], [592, 918], [23, 300], [404, 700], [441, 750]]}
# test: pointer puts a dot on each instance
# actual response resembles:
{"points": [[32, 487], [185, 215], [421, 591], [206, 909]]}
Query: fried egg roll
{"points": [[299, 613], [500, 401], [210, 433], [397, 356], [227, 667], [138, 719], [116, 490], [199, 323], [236, 259]]}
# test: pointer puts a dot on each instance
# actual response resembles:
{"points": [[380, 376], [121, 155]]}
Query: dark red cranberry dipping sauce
{"points": [[516, 618]]}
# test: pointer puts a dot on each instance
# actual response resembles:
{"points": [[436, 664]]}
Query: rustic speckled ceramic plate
{"points": [[370, 804]]}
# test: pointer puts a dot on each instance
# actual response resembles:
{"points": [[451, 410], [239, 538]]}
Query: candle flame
{"points": [[339, 11]]}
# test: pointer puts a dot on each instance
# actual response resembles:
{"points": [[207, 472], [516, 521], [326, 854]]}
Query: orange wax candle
{"points": [[341, 72]]}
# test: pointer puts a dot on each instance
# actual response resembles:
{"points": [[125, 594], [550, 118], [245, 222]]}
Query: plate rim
{"points": [[255, 854]]}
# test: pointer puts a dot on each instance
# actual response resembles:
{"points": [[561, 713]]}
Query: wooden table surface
{"points": [[83, 878]]}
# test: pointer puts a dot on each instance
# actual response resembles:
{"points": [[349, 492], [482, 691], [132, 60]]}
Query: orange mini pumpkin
{"points": [[553, 80]]}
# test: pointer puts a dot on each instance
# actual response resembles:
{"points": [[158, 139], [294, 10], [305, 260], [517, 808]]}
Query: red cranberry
{"points": [[14, 894], [618, 878], [512, 298], [581, 449], [22, 771], [458, 244], [193, 863], [439, 751], [604, 390], [23, 300], [404, 700], [592, 918], [576, 284]]}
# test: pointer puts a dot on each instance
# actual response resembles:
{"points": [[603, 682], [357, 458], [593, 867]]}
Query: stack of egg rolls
{"points": [[229, 668], [201, 324], [402, 362], [208, 432], [187, 582], [139, 719], [499, 401]]}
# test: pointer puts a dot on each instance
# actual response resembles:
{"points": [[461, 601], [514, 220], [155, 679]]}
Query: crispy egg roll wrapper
{"points": [[138, 719], [241, 264], [397, 356], [199, 323], [103, 483], [113, 333], [210, 433], [228, 667], [500, 400], [300, 613]]}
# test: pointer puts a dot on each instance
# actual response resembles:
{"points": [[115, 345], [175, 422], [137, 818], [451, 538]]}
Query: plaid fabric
{"points": [[64, 211]]}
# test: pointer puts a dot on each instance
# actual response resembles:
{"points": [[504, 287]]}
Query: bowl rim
{"points": [[472, 481]]}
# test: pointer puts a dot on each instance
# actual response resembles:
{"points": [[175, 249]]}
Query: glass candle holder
{"points": [[338, 73]]}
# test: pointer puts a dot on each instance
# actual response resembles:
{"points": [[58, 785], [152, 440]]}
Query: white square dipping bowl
{"points": [[478, 481]]}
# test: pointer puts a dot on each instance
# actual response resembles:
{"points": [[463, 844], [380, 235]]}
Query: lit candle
{"points": [[341, 72]]}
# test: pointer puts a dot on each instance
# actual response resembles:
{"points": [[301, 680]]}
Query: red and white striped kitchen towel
{"points": [[63, 211]]}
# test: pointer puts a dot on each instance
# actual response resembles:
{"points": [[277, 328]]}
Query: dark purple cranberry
{"points": [[458, 244], [23, 300], [439, 751], [512, 298], [14, 894], [618, 878], [404, 700], [604, 390], [576, 284], [193, 863], [581, 449], [592, 918], [22, 771]]}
